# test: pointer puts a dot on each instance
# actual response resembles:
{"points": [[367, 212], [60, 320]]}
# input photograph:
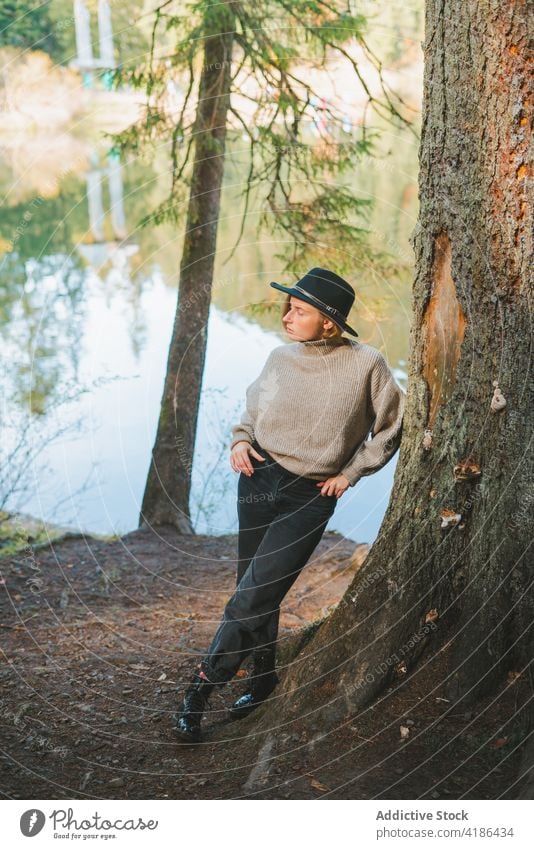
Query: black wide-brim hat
{"points": [[326, 291]]}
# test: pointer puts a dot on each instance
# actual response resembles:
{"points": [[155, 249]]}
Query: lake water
{"points": [[87, 304]]}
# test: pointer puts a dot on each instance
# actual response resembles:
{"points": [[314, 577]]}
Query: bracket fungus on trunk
{"points": [[450, 518], [498, 402], [466, 470]]}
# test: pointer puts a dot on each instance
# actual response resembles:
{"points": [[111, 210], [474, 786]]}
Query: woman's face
{"points": [[303, 322]]}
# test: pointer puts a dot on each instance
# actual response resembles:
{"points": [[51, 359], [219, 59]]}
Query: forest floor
{"points": [[100, 638]]}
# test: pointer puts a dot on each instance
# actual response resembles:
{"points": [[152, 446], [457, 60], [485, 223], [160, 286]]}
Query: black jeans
{"points": [[282, 517]]}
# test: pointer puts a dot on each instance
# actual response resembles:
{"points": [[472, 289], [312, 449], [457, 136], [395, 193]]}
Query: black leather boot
{"points": [[264, 680], [187, 720]]}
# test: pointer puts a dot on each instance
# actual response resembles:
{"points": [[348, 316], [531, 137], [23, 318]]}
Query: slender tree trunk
{"points": [[451, 566], [166, 497]]}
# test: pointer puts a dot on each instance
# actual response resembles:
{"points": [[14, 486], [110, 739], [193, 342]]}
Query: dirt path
{"points": [[98, 636]]}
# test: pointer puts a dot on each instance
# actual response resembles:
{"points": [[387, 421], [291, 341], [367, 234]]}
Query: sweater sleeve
{"points": [[387, 400], [244, 431]]}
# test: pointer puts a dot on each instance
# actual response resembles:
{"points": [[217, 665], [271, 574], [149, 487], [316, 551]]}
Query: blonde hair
{"points": [[327, 334]]}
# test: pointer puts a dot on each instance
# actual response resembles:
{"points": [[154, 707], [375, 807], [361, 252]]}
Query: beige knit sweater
{"points": [[314, 404]]}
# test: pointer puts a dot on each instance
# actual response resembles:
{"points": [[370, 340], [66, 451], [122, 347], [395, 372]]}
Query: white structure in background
{"points": [[117, 249], [85, 60], [114, 174], [95, 178], [105, 35]]}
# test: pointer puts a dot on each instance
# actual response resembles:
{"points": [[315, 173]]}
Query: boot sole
{"points": [[239, 713], [183, 737]]}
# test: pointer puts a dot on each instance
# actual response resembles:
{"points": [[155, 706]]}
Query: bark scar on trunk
{"points": [[443, 328]]}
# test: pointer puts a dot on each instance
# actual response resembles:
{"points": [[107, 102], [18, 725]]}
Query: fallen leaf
{"points": [[85, 779], [500, 741], [241, 673], [432, 615], [318, 786]]}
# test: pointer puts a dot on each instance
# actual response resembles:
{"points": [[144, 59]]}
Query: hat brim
{"points": [[296, 294]]}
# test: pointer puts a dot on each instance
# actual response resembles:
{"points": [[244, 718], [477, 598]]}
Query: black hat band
{"points": [[332, 310]]}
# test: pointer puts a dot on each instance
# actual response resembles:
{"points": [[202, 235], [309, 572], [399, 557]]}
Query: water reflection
{"points": [[87, 301]]}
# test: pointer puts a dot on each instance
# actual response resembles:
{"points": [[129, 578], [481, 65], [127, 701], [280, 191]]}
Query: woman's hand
{"points": [[240, 457], [334, 486]]}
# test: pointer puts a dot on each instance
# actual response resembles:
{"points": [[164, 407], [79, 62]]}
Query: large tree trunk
{"points": [[166, 497], [467, 585]]}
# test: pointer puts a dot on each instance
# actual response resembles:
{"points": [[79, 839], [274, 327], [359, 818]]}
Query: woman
{"points": [[301, 442]]}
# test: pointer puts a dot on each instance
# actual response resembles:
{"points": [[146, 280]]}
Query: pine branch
{"points": [[282, 167]]}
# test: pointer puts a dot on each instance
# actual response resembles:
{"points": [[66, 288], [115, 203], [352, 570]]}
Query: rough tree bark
{"points": [[166, 496], [468, 584]]}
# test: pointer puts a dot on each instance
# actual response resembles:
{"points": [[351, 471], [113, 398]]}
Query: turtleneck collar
{"points": [[323, 345], [318, 347]]}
